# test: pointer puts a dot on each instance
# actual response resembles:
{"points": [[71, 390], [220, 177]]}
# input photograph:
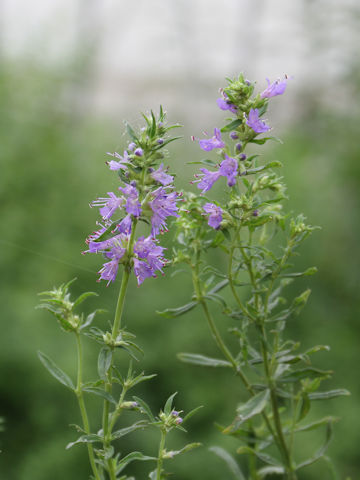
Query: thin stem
{"points": [[118, 410], [272, 387], [80, 397], [123, 287], [222, 346], [160, 455]]}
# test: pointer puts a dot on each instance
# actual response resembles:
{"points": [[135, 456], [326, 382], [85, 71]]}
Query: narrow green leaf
{"points": [[168, 141], [55, 371], [310, 372], [305, 406], [124, 431], [261, 141], [197, 359], [91, 438], [176, 312], [191, 413], [320, 453], [316, 424], [153, 125], [340, 392], [130, 458], [168, 404], [230, 462], [144, 408], [83, 297], [187, 448], [131, 132], [263, 472], [252, 171], [104, 362], [264, 457], [232, 126], [101, 393], [252, 407]]}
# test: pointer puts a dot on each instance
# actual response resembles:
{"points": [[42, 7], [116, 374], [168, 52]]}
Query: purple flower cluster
{"points": [[215, 215], [254, 122], [228, 168], [114, 237]]}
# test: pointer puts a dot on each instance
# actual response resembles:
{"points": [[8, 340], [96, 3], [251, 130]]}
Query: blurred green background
{"points": [[53, 139]]}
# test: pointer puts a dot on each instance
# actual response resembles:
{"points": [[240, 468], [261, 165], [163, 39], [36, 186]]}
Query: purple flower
{"points": [[125, 225], [163, 205], [109, 269], [142, 270], [225, 104], [160, 176], [215, 215], [139, 152], [273, 89], [133, 206], [147, 249], [208, 180], [233, 135], [213, 142], [114, 165], [228, 169], [131, 146], [108, 205], [254, 122]]}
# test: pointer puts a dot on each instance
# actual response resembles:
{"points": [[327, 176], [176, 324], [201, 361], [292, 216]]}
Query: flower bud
{"points": [[238, 147], [234, 135], [139, 152]]}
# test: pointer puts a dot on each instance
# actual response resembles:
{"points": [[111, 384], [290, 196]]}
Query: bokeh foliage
{"points": [[51, 160]]}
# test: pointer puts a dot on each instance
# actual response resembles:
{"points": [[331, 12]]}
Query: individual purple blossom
{"points": [[114, 165], [109, 270], [234, 135], [142, 270], [228, 169], [147, 249], [254, 122], [108, 205], [179, 420], [133, 206], [125, 225], [131, 146], [161, 176], [225, 104], [273, 89], [208, 179], [215, 215], [163, 205], [209, 144]]}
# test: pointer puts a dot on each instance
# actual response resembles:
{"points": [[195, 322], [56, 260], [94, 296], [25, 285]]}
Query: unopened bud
{"points": [[139, 152]]}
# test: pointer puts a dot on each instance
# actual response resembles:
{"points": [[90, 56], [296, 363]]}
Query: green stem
{"points": [[221, 344], [118, 410], [80, 397], [160, 455], [272, 387]]}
